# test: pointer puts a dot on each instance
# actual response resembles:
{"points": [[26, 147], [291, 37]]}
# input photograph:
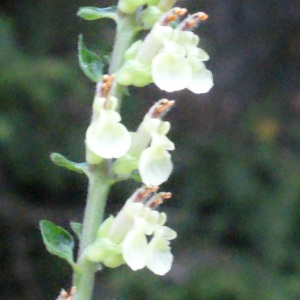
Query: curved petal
{"points": [[201, 82], [108, 139], [171, 72], [134, 249], [160, 258]]}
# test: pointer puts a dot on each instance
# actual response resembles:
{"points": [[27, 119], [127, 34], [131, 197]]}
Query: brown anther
{"points": [[202, 16], [63, 294], [165, 195], [156, 202], [191, 24], [171, 18], [73, 290], [107, 81], [179, 11], [144, 192], [160, 107]]}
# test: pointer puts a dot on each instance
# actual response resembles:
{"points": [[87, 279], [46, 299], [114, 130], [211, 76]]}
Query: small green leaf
{"points": [[91, 13], [89, 62], [57, 240], [61, 161], [77, 229]]}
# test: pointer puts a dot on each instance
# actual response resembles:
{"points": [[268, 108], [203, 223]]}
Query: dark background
{"points": [[236, 185]]}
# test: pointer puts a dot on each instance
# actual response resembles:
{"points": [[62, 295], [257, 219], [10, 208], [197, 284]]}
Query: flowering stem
{"points": [[99, 185], [99, 175]]}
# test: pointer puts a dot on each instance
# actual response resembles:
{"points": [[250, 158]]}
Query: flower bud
{"points": [[155, 166]]}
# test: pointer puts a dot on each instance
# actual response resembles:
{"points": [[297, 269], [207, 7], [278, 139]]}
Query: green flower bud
{"points": [[125, 165], [151, 15], [135, 73]]}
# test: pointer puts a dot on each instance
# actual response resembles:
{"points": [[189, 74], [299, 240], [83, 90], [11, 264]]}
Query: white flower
{"points": [[180, 66], [123, 239], [159, 256], [106, 137], [156, 255], [170, 58], [155, 165]]}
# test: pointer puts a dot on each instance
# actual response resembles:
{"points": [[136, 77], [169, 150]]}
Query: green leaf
{"points": [[57, 240], [89, 62], [91, 13], [77, 229], [61, 161]]}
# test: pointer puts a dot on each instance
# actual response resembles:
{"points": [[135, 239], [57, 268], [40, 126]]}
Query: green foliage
{"points": [[58, 241], [90, 63], [94, 13]]}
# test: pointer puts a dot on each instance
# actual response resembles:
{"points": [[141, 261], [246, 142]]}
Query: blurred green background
{"points": [[236, 185]]}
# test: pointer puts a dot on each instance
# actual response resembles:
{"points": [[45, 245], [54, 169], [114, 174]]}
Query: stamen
{"points": [[166, 195], [142, 193], [172, 15], [160, 108], [158, 199], [105, 85], [67, 296], [192, 21]]}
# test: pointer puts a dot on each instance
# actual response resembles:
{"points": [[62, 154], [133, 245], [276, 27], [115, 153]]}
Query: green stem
{"points": [[99, 185], [99, 175], [126, 30]]}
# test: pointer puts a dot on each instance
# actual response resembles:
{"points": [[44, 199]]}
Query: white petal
{"points": [[184, 38], [171, 72], [197, 53], [160, 258], [162, 218], [201, 82], [166, 233], [108, 139], [163, 141], [134, 249], [155, 166]]}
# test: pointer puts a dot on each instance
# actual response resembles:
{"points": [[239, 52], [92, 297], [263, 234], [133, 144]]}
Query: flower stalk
{"points": [[170, 58]]}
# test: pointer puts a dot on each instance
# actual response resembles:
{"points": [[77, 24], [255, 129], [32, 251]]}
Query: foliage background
{"points": [[236, 185]]}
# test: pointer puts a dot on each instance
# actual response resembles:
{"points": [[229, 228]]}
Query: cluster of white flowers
{"points": [[145, 151], [168, 57], [123, 239]]}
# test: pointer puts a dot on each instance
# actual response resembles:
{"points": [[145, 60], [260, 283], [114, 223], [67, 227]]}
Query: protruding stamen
{"points": [[172, 15], [158, 199], [166, 195], [73, 290], [192, 21], [160, 108], [142, 193], [67, 296], [107, 81]]}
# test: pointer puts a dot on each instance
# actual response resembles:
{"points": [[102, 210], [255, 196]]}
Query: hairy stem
{"points": [[126, 27], [99, 185], [99, 175]]}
